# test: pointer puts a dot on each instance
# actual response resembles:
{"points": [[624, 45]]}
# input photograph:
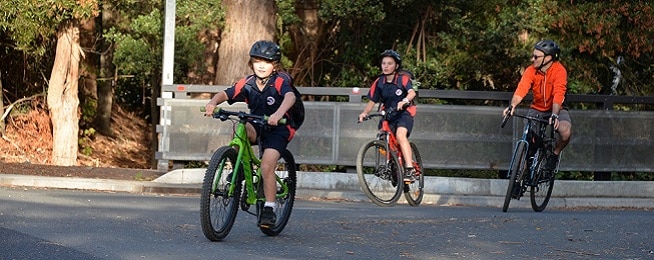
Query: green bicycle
{"points": [[234, 179]]}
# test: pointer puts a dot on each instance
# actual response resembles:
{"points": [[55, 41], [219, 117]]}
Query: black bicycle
{"points": [[527, 170]]}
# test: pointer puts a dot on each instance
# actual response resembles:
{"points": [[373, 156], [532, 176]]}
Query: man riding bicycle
{"points": [[547, 78]]}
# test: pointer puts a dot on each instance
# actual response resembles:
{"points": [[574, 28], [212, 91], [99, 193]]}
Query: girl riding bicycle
{"points": [[395, 90], [267, 92]]}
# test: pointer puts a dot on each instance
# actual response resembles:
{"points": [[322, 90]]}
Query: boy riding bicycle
{"points": [[268, 91]]}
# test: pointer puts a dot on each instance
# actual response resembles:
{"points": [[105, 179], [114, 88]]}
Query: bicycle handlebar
{"points": [[508, 115], [223, 115], [384, 113]]}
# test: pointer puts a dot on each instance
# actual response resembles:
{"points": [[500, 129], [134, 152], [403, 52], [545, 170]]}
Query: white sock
{"points": [[269, 204]]}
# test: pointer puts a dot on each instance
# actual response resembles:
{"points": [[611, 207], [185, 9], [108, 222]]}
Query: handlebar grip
{"points": [[204, 109], [281, 121], [506, 118]]}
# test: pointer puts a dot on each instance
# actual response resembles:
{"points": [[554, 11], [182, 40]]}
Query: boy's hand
{"points": [[208, 109], [274, 119]]}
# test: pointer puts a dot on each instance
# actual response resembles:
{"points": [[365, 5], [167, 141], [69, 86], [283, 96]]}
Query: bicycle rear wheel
{"points": [[380, 177], [286, 174], [516, 170], [541, 189], [413, 192], [218, 208]]}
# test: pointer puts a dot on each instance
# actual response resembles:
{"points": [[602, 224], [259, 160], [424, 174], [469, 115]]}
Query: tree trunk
{"points": [[2, 108], [63, 102], [106, 82], [245, 23], [306, 38]]}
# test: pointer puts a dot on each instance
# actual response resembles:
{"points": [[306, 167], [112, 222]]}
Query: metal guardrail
{"points": [[607, 101], [449, 137]]}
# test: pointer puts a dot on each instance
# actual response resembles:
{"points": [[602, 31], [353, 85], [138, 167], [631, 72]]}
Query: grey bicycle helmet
{"points": [[393, 54], [549, 47], [266, 50]]}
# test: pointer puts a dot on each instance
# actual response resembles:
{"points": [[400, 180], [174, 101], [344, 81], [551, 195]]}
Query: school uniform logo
{"points": [[398, 92]]}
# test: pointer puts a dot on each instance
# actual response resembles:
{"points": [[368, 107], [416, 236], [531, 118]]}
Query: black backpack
{"points": [[297, 111]]}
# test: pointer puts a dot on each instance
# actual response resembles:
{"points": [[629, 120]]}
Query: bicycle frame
{"points": [[246, 154], [539, 125], [390, 140], [388, 136]]}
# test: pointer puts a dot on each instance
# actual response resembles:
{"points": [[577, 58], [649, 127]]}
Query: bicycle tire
{"points": [[287, 173], [518, 164], [541, 189], [413, 192], [380, 179], [218, 209]]}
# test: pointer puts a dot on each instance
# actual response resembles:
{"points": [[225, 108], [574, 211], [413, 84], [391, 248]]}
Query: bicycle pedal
{"points": [[265, 226]]}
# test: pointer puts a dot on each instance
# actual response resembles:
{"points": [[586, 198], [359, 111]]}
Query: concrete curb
{"points": [[442, 191]]}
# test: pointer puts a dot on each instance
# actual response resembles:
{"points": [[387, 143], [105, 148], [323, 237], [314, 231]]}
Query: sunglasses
{"points": [[535, 57]]}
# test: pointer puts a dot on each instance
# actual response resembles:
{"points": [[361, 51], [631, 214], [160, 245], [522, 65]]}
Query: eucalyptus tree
{"points": [[33, 23]]}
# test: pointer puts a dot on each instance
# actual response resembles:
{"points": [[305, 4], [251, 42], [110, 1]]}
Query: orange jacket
{"points": [[548, 88]]}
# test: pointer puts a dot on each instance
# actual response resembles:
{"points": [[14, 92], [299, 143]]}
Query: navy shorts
{"points": [[275, 137], [402, 120]]}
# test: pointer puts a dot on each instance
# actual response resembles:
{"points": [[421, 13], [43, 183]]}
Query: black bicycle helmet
{"points": [[266, 50], [393, 54], [549, 47]]}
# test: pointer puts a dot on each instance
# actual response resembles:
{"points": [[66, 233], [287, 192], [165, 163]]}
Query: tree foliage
{"points": [[485, 45], [459, 44], [138, 37], [32, 23]]}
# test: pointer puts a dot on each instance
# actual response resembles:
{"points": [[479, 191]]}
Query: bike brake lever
{"points": [[505, 119]]}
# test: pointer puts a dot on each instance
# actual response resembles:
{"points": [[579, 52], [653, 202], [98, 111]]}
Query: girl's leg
{"points": [[403, 141]]}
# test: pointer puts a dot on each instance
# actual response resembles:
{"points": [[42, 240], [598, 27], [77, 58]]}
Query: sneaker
{"points": [[268, 218], [552, 161], [409, 175]]}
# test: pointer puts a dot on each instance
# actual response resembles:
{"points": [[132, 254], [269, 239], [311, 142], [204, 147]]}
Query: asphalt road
{"points": [[68, 224]]}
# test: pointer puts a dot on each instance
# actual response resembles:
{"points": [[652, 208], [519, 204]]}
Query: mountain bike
{"points": [[233, 178], [380, 167], [527, 170]]}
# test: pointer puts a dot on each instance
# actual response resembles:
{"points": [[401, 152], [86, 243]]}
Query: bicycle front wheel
{"points": [[380, 176], [286, 176], [413, 192], [516, 170], [218, 207], [541, 189]]}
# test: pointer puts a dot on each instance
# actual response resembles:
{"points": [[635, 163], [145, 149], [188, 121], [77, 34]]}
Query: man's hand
{"points": [[554, 120], [508, 111]]}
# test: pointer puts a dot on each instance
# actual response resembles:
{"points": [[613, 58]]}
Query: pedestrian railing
{"points": [[448, 136]]}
